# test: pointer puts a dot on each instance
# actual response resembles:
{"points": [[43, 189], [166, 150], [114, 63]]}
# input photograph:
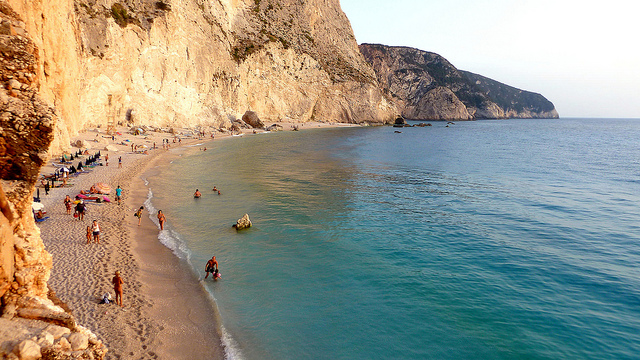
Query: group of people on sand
{"points": [[93, 231], [161, 218], [80, 208]]}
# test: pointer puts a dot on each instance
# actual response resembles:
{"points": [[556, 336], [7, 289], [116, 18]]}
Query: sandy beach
{"points": [[166, 313]]}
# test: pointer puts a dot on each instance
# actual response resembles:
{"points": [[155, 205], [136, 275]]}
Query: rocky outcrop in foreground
{"points": [[31, 324], [425, 86]]}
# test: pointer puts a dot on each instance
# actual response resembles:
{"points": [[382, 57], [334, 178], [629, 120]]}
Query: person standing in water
{"points": [[197, 194], [161, 219], [211, 267]]}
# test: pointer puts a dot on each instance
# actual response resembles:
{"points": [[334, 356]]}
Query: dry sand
{"points": [[166, 312]]}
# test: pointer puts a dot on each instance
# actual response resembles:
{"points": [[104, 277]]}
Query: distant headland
{"points": [[425, 86]]}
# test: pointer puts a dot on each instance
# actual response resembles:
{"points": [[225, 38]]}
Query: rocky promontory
{"points": [[425, 86]]}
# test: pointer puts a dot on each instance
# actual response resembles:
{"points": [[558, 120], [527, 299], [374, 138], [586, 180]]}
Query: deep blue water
{"points": [[511, 239]]}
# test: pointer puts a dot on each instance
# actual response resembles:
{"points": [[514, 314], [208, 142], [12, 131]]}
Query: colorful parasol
{"points": [[102, 188]]}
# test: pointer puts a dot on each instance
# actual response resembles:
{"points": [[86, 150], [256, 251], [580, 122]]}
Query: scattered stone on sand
{"points": [[275, 127]]}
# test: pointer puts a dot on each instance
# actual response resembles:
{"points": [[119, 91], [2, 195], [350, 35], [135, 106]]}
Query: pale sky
{"points": [[584, 56]]}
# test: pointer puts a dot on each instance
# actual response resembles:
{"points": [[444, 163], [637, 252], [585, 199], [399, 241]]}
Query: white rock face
{"points": [[191, 63]]}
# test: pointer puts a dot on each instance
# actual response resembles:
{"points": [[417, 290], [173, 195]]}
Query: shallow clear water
{"points": [[513, 239]]}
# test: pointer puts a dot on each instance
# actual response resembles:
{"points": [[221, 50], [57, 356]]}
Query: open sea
{"points": [[509, 239]]}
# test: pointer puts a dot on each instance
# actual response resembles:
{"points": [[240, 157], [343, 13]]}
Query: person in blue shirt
{"points": [[118, 194]]}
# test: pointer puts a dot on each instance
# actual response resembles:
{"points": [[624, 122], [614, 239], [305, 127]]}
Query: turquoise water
{"points": [[513, 239]]}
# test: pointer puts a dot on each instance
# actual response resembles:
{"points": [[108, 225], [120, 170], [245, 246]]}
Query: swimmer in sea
{"points": [[197, 194], [211, 267]]}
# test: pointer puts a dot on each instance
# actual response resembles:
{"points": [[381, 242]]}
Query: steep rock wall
{"points": [[425, 86], [199, 62], [26, 132]]}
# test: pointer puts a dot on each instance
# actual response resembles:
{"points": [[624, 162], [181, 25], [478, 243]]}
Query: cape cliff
{"points": [[425, 86], [194, 62]]}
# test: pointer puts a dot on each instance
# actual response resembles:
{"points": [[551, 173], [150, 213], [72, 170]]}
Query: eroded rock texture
{"points": [[30, 319], [425, 86], [194, 62]]}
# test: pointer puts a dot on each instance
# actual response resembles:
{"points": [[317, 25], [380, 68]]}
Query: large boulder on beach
{"points": [[243, 223], [251, 118]]}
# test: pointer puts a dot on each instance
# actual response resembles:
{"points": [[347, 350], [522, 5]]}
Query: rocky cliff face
{"points": [[425, 86], [31, 325], [196, 62]]}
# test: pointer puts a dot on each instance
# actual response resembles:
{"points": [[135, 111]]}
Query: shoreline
{"points": [[167, 313]]}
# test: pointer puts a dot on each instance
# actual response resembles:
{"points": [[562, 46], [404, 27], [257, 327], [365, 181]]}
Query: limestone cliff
{"points": [[425, 86], [31, 325], [194, 62]]}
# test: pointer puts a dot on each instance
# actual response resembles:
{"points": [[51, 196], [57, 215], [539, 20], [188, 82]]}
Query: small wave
{"points": [[231, 350], [167, 237], [174, 242], [229, 345]]}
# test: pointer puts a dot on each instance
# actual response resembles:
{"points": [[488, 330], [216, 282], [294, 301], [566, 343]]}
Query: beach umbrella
{"points": [[64, 168], [102, 188], [37, 206]]}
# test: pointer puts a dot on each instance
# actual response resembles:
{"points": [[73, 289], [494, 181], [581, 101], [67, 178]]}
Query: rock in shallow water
{"points": [[243, 223]]}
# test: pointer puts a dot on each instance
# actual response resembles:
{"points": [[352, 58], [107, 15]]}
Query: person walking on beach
{"points": [[65, 174], [138, 214], [161, 219], [88, 234], [118, 194], [80, 209], [95, 228], [119, 161], [106, 160], [117, 287], [211, 267], [67, 204]]}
